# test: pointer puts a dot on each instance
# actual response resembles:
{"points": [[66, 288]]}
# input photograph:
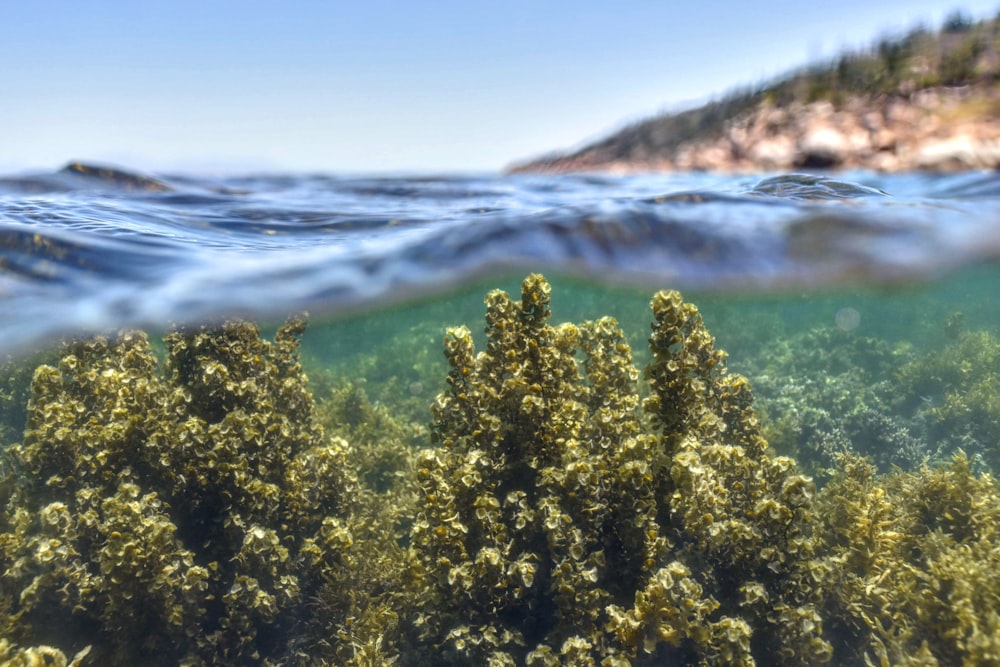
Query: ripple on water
{"points": [[91, 246]]}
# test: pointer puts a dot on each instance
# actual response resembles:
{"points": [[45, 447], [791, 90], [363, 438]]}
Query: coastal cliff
{"points": [[925, 101]]}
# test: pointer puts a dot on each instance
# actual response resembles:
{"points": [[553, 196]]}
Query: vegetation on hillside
{"points": [[962, 52]]}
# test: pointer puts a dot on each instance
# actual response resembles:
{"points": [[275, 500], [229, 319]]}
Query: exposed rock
{"points": [[958, 152], [939, 129], [773, 152]]}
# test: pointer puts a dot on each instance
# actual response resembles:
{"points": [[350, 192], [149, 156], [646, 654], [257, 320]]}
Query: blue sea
{"points": [[89, 248], [862, 309]]}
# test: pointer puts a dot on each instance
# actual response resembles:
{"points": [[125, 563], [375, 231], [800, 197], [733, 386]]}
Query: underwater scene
{"points": [[675, 420]]}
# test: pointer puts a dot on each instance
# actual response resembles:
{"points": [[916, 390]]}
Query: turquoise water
{"points": [[203, 499]]}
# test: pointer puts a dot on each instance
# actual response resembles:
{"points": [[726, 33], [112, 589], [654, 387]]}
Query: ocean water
{"points": [[87, 248], [861, 307]]}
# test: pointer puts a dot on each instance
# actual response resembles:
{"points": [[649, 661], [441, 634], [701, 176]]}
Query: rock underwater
{"points": [[565, 513]]}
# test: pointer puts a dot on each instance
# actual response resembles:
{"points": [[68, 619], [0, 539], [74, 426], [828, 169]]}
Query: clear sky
{"points": [[387, 85]]}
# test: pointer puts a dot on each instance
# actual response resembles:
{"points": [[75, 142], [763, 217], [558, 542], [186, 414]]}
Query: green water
{"points": [[404, 343]]}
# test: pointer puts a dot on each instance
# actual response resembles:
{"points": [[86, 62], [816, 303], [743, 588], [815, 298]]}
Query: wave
{"points": [[89, 247]]}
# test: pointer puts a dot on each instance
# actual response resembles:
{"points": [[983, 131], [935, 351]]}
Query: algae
{"points": [[826, 392], [560, 508], [191, 516], [559, 520]]}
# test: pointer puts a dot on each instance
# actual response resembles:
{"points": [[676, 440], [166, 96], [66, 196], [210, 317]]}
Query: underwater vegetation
{"points": [[558, 526], [15, 390], [910, 565], [188, 517], [561, 507], [384, 444], [954, 394], [827, 392]]}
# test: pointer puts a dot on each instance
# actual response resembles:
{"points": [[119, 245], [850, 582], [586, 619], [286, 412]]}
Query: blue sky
{"points": [[387, 86]]}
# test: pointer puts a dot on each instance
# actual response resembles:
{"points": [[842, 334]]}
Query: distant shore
{"points": [[936, 129]]}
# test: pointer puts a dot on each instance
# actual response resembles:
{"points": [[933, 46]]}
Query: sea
{"points": [[88, 248], [806, 280]]}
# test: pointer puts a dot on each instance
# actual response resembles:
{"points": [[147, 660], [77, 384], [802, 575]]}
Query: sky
{"points": [[388, 86]]}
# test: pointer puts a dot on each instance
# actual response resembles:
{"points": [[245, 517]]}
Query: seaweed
{"points": [[195, 516], [567, 509], [558, 523]]}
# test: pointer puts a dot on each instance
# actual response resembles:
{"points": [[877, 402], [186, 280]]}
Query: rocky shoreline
{"points": [[936, 129]]}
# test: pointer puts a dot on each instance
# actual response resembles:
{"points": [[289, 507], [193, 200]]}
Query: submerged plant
{"points": [[558, 524], [15, 390], [200, 514], [827, 393], [197, 516], [953, 393], [911, 566]]}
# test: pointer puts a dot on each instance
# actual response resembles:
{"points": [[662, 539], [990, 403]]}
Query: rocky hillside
{"points": [[928, 100]]}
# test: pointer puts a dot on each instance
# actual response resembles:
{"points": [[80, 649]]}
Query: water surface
{"points": [[89, 248]]}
